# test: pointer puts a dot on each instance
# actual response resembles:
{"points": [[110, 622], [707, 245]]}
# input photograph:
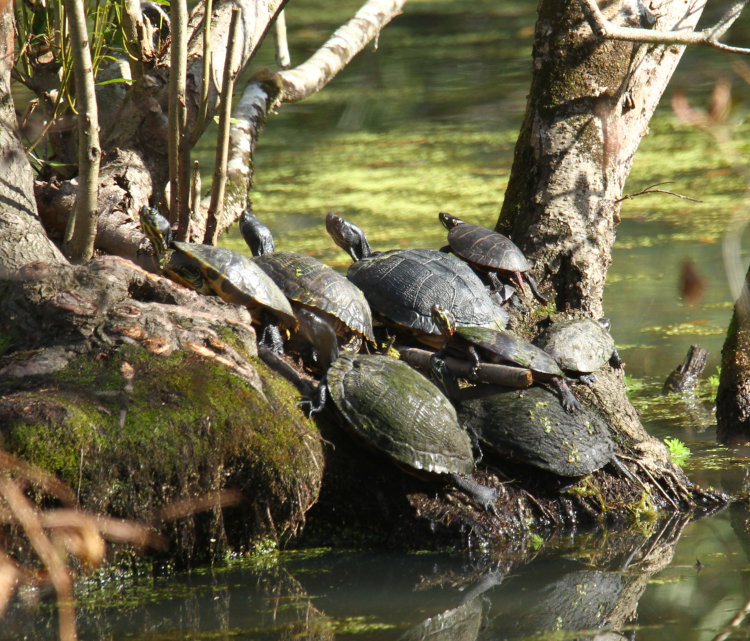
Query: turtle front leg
{"points": [[568, 400], [615, 360], [588, 379], [532, 285], [475, 360], [270, 337], [318, 400]]}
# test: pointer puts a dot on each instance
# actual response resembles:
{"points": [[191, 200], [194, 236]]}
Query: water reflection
{"points": [[590, 584]]}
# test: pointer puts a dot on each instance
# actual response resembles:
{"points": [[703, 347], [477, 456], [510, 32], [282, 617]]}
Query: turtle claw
{"points": [[588, 379]]}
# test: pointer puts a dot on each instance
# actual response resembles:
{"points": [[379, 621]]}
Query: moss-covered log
{"points": [[138, 393]]}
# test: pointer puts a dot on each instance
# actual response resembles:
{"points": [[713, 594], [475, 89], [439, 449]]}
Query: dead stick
{"points": [[485, 373]]}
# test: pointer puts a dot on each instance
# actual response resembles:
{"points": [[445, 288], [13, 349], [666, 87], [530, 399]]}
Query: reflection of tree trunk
{"points": [[589, 106]]}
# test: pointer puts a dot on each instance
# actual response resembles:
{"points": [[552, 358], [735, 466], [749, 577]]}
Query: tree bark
{"points": [[589, 107], [22, 237]]}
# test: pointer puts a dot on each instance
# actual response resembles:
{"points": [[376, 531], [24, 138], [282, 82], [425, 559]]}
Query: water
{"points": [[428, 123]]}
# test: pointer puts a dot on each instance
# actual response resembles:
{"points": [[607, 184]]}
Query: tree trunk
{"points": [[589, 106], [22, 237]]}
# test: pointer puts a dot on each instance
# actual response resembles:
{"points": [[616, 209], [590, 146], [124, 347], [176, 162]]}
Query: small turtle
{"points": [[497, 346], [402, 285], [529, 426], [221, 272], [312, 285], [490, 252], [393, 409], [580, 346]]}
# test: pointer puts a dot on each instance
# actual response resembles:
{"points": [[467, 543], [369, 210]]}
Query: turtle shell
{"points": [[402, 285], [498, 346], [486, 248], [396, 410], [531, 427], [231, 276], [578, 344], [308, 282]]}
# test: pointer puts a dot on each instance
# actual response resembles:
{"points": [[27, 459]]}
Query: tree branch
{"points": [[346, 42], [602, 27], [81, 231]]}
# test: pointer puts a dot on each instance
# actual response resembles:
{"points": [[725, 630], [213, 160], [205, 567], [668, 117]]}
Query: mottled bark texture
{"points": [[138, 393], [22, 237], [589, 106]]}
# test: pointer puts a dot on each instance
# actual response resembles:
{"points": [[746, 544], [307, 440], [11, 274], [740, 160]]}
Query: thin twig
{"points": [[222, 146], [200, 120], [177, 105], [602, 27], [650, 190], [81, 230]]}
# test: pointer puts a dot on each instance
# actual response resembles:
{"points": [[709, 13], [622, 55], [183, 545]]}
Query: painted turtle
{"points": [[310, 284], [222, 272], [393, 409], [402, 285], [530, 426], [490, 252], [497, 346], [580, 346]]}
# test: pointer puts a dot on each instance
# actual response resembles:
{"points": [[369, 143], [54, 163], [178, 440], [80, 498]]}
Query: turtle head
{"points": [[158, 231], [444, 319], [449, 220], [348, 236], [256, 234]]}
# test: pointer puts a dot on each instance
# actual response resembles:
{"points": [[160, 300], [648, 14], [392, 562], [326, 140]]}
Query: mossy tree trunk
{"points": [[588, 109], [589, 106]]}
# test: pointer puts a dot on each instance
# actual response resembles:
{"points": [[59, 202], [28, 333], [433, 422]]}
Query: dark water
{"points": [[428, 123]]}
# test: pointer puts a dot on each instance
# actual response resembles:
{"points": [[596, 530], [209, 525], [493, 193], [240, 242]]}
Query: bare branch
{"points": [[602, 27], [346, 42], [651, 190], [177, 106], [79, 237], [222, 147]]}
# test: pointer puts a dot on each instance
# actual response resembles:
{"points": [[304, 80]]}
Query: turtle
{"points": [[490, 252], [402, 285], [393, 409], [498, 346], [529, 426], [221, 272], [580, 346], [310, 284]]}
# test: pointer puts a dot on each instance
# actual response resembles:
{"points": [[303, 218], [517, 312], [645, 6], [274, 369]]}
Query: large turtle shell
{"points": [[530, 426], [231, 276], [309, 282], [486, 248], [498, 346], [402, 285], [399, 412], [578, 344]]}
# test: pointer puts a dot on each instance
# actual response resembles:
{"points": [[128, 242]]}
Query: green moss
{"points": [[177, 426]]}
